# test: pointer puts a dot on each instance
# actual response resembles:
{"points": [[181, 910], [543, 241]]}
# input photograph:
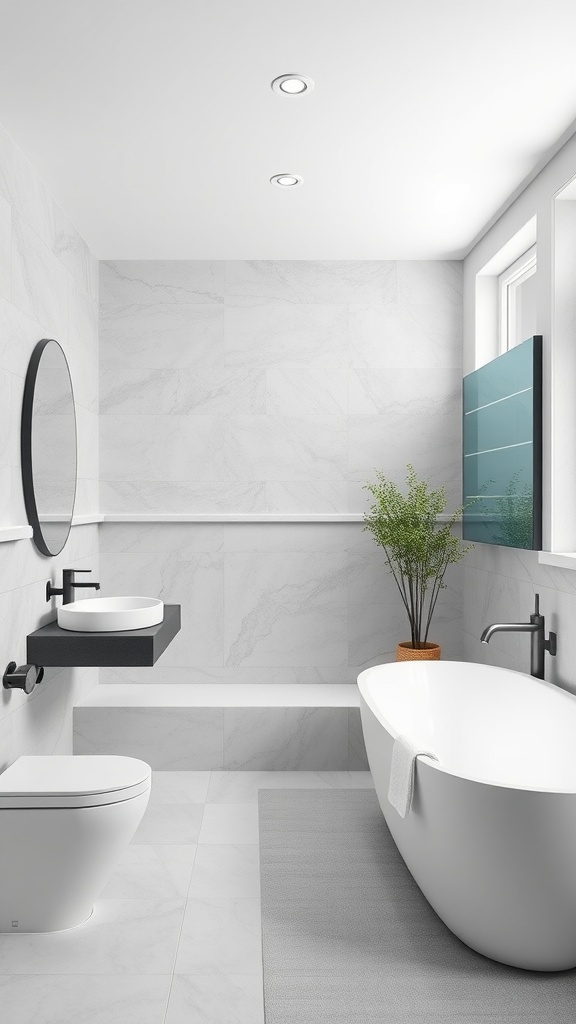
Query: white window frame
{"points": [[508, 281]]}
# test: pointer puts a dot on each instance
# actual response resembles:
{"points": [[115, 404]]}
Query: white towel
{"points": [[401, 788]]}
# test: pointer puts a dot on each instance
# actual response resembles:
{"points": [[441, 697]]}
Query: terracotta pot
{"points": [[426, 652]]}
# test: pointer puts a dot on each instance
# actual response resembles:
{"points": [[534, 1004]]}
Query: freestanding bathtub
{"points": [[491, 834]]}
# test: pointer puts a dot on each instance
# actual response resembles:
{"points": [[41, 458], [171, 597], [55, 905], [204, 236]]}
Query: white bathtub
{"points": [[491, 836]]}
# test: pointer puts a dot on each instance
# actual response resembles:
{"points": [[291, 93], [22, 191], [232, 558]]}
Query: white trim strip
{"points": [[503, 448], [233, 517], [9, 533], [15, 533], [497, 400], [561, 559]]}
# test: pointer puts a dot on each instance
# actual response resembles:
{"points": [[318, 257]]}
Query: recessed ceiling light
{"points": [[292, 85], [286, 180]]}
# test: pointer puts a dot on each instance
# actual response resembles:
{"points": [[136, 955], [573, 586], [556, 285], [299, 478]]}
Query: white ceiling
{"points": [[154, 126]]}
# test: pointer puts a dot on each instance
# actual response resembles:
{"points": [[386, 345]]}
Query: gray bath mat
{"points": [[350, 939]]}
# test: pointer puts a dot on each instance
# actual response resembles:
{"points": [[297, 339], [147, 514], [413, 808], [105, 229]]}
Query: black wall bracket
{"points": [[22, 677]]}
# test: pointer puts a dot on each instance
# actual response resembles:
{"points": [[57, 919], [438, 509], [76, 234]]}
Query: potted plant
{"points": [[418, 551]]}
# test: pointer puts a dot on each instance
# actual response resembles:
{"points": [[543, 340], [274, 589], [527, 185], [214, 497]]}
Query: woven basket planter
{"points": [[426, 652]]}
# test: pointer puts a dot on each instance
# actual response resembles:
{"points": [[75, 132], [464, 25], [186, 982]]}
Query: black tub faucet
{"points": [[538, 642], [69, 585]]}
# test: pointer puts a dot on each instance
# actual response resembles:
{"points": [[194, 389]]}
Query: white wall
{"points": [[273, 387], [48, 288], [499, 583]]}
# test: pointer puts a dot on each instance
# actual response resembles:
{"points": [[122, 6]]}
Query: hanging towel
{"points": [[401, 788]]}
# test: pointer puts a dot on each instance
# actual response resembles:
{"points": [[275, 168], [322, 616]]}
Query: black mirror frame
{"points": [[26, 447]]}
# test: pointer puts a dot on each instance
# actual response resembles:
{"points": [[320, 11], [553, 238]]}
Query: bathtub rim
{"points": [[367, 700]]}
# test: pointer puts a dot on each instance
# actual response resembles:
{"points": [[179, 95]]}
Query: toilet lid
{"points": [[72, 781]]}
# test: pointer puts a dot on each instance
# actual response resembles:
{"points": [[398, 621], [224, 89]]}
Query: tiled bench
{"points": [[200, 726]]}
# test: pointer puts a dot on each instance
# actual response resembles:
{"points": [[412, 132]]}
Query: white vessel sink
{"points": [[110, 614]]}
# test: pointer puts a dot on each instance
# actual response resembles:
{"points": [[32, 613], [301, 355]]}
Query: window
{"points": [[517, 300]]}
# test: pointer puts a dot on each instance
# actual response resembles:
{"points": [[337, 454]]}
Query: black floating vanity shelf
{"points": [[52, 645]]}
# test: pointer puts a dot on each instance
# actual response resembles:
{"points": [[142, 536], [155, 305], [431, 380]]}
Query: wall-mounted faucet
{"points": [[69, 585], [538, 642]]}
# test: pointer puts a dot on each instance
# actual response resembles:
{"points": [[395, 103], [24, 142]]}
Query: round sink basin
{"points": [[110, 614]]}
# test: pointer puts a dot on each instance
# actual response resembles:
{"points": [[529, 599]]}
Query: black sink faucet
{"points": [[538, 642], [69, 585]]}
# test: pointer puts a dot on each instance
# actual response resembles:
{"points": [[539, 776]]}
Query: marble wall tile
{"points": [[5, 249], [51, 276], [28, 195], [166, 281], [184, 538], [182, 496], [288, 537], [286, 448], [357, 757], [395, 337], [19, 334], [491, 596], [178, 392], [430, 282], [236, 674], [336, 282], [286, 336], [287, 609], [9, 421], [40, 284], [163, 448], [402, 396], [87, 431], [431, 445], [74, 254], [169, 739], [83, 359], [161, 336], [306, 496], [8, 177], [195, 581], [314, 374], [6, 742], [285, 739], [303, 391]]}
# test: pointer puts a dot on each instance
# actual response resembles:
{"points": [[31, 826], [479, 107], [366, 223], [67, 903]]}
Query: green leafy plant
{"points": [[418, 549]]}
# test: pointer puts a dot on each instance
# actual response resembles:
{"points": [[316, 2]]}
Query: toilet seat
{"points": [[82, 780]]}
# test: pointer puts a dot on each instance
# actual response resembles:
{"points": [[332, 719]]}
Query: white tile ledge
{"points": [[222, 695], [15, 533], [561, 559], [234, 517], [239, 517], [10, 533]]}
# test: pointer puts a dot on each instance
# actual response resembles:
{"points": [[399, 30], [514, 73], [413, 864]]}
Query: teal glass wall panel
{"points": [[502, 436]]}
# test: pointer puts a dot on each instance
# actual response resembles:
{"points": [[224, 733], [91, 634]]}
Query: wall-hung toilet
{"points": [[64, 823]]}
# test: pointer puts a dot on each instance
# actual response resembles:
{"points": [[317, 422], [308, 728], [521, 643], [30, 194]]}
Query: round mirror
{"points": [[48, 447]]}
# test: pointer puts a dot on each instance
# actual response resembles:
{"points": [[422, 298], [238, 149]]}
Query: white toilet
{"points": [[64, 823]]}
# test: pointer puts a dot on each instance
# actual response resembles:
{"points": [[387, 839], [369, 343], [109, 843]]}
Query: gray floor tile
{"points": [[81, 999], [242, 787], [121, 937], [216, 999], [179, 787], [220, 936], [226, 870], [229, 823], [148, 872], [176, 824]]}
